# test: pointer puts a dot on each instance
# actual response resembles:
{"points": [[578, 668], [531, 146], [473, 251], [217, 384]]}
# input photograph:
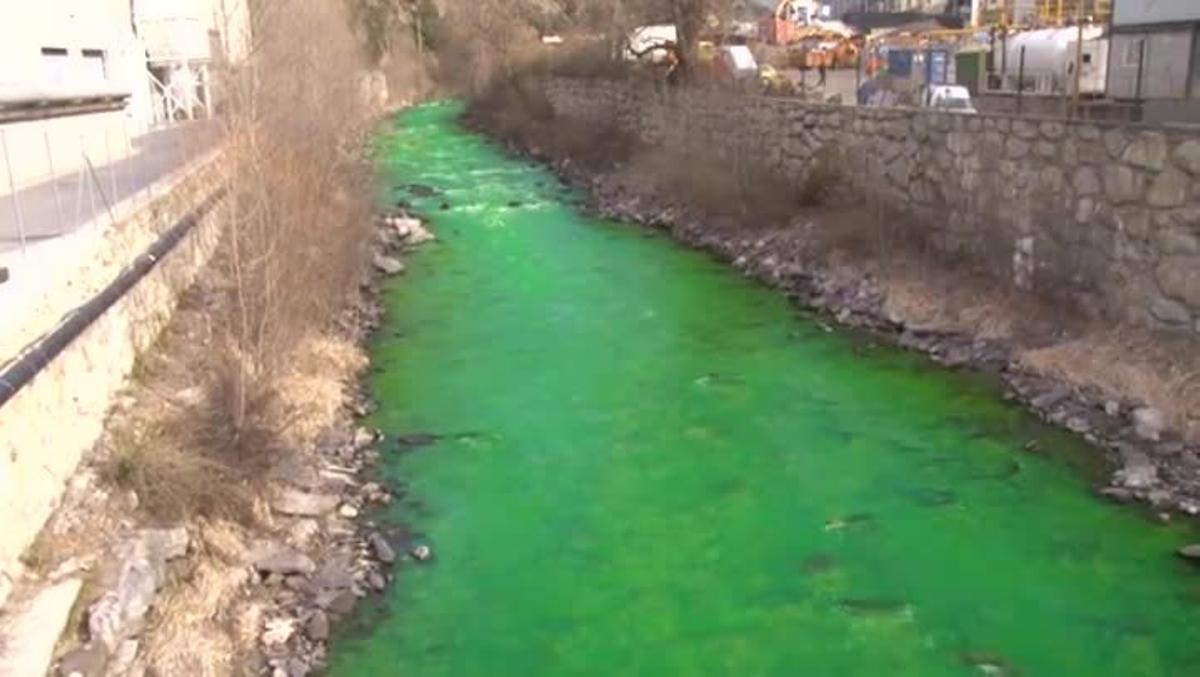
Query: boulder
{"points": [[317, 627], [376, 581], [383, 551], [1148, 151], [285, 562], [388, 265], [85, 661], [1149, 423], [303, 504], [278, 631], [363, 438], [1190, 552], [1187, 156], [167, 544]]}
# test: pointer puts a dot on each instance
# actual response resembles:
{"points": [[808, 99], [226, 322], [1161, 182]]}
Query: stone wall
{"points": [[1105, 218], [46, 428]]}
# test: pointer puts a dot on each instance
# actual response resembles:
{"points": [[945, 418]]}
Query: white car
{"points": [[951, 98]]}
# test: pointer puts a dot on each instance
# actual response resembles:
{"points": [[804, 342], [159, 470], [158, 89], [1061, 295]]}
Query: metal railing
{"points": [[57, 181]]}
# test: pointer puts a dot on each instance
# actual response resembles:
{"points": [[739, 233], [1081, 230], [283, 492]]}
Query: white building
{"points": [[79, 77]]}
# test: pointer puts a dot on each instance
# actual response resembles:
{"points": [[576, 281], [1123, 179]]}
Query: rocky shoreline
{"points": [[334, 553], [1152, 463], [313, 554]]}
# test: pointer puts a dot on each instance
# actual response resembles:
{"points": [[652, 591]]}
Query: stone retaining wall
{"points": [[46, 428], [1105, 218]]}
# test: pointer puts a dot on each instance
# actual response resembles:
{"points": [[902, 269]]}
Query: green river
{"points": [[649, 465]]}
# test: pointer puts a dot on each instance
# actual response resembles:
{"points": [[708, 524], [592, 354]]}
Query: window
{"points": [[55, 65], [94, 68]]}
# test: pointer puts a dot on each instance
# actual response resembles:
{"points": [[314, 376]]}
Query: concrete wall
{"points": [[48, 426], [1106, 219]]}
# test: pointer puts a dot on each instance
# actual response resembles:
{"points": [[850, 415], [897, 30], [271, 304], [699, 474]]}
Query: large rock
{"points": [[85, 661], [1169, 189], [1148, 151], [31, 631], [1170, 312], [284, 561], [383, 551], [121, 611], [363, 438], [166, 544], [317, 627], [1191, 552], [412, 231], [1187, 156], [1179, 277], [303, 504], [1122, 184], [1086, 182], [388, 265], [1149, 423]]}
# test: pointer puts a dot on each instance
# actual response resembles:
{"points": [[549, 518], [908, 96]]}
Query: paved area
{"points": [[54, 208]]}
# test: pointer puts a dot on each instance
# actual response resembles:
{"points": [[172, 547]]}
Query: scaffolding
{"points": [[179, 52]]}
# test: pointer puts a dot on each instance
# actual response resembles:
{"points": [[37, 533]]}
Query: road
{"points": [[53, 208]]}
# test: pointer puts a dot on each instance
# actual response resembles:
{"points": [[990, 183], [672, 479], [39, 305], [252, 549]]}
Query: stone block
{"points": [[1169, 189], [1147, 151], [1122, 183], [1024, 129], [1173, 238], [1179, 277], [1115, 143], [1187, 156], [1134, 220], [1085, 181], [1052, 130], [1016, 149], [1170, 313]]}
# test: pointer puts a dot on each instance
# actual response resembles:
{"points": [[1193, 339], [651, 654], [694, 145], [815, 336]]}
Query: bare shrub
{"points": [[299, 209]]}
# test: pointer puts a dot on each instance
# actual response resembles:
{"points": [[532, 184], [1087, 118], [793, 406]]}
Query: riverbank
{"points": [[1108, 386], [166, 562], [634, 459]]}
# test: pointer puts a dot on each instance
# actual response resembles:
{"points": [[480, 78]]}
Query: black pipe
{"points": [[20, 372], [1021, 80]]}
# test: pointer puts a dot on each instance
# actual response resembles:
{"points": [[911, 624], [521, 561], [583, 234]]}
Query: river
{"points": [[650, 465]]}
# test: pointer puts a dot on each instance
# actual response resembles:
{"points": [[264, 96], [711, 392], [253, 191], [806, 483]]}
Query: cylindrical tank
{"points": [[1047, 50]]}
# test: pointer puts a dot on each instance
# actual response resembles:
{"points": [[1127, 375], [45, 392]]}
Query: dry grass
{"points": [[197, 627], [962, 301], [1156, 368]]}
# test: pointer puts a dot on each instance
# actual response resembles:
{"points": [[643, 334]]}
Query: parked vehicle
{"points": [[951, 98]]}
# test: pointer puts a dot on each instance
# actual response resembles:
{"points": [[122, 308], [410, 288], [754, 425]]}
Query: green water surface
{"points": [[652, 466]]}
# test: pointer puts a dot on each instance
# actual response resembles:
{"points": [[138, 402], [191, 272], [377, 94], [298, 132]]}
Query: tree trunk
{"points": [[689, 21]]}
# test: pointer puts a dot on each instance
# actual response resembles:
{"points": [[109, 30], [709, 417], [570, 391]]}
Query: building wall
{"points": [[1103, 218], [1166, 64], [74, 26], [1135, 12]]}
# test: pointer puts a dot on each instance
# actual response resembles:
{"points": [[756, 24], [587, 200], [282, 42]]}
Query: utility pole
{"points": [[1078, 52]]}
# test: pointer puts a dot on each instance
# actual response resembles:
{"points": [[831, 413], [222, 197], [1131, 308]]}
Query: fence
{"points": [[60, 176]]}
